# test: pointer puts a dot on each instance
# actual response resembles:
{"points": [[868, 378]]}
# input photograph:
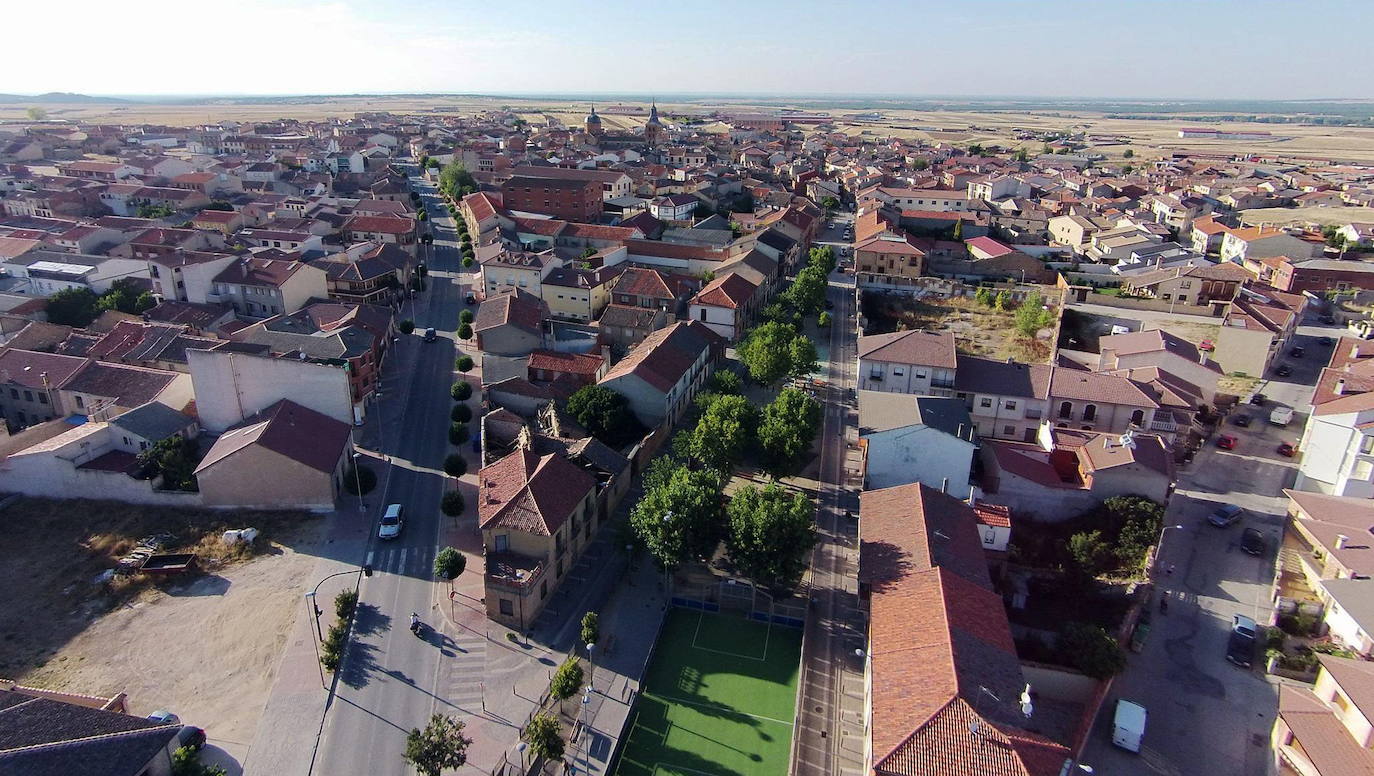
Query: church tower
{"points": [[593, 123], [653, 129]]}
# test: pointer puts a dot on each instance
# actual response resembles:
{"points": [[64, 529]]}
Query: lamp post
{"points": [[521, 747], [310, 599], [582, 736], [591, 665], [1159, 545], [358, 481]]}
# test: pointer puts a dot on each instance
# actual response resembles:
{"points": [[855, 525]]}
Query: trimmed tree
{"points": [[455, 465], [567, 680], [465, 330], [356, 477], [466, 316], [544, 737], [441, 745], [452, 503], [449, 564], [461, 390], [464, 363], [468, 261], [458, 433], [461, 413], [591, 628], [406, 326], [770, 532]]}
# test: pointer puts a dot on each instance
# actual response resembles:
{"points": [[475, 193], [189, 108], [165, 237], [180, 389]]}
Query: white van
{"points": [[1128, 727], [1281, 416]]}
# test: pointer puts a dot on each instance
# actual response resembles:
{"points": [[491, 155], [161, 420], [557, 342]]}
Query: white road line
{"points": [[401, 567], [368, 561]]}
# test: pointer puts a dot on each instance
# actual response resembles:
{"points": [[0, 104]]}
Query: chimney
{"points": [[1340, 386], [944, 484], [1202, 357], [1341, 540]]}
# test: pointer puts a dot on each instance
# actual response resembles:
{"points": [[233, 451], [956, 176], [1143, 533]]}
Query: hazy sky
{"points": [[1058, 48]]}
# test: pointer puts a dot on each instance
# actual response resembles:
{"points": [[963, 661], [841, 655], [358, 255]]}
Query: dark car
{"points": [[191, 736], [1226, 515], [1329, 320], [1287, 450], [1296, 352], [431, 335], [470, 299], [1284, 370], [1240, 646], [1226, 442], [1326, 342], [1252, 541], [1258, 399], [1241, 420], [829, 305]]}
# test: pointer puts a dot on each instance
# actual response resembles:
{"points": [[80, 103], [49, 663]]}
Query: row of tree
{"points": [[77, 307]]}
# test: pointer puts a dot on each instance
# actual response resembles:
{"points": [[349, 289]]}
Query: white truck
{"points": [[1128, 727], [1281, 416]]}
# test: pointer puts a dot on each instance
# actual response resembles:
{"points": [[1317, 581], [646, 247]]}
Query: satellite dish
{"points": [[1027, 707], [1127, 439]]}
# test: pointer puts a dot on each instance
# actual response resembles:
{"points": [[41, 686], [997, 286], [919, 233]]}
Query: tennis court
{"points": [[718, 699]]}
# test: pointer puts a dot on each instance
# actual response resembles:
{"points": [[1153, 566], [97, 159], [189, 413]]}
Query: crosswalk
{"points": [[405, 561], [465, 671]]}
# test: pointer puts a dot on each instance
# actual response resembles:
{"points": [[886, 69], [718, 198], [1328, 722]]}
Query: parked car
{"points": [[431, 335], [1241, 420], [1287, 450], [1226, 515], [1284, 370], [1240, 647], [392, 520], [1296, 352], [1252, 541], [191, 736], [1326, 342], [1281, 416], [1226, 442], [164, 716], [1128, 725], [1258, 399], [470, 299]]}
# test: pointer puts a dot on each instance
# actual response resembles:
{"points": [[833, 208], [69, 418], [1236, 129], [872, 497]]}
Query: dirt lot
{"points": [[205, 646], [978, 330]]}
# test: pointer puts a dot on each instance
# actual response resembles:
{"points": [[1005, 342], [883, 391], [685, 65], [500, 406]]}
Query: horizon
{"points": [[1229, 50]]}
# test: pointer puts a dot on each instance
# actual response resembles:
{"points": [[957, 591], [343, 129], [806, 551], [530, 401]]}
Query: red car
{"points": [[1226, 442], [1287, 450]]}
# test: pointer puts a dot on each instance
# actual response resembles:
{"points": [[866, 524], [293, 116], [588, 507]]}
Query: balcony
{"points": [[946, 384], [513, 571], [1163, 424]]}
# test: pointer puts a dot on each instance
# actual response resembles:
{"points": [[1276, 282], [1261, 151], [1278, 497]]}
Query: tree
{"points": [[983, 296], [544, 737], [801, 352], [1090, 552], [75, 307], [126, 296], [452, 503], [975, 149], [37, 114], [1032, 316], [219, 204], [823, 320], [920, 164], [1128, 153], [461, 390], [591, 628], [788, 426], [464, 331], [830, 203], [605, 414], [461, 413], [406, 326], [345, 603], [458, 433], [567, 680], [958, 229], [454, 178], [174, 458], [1021, 155], [724, 431], [440, 745], [464, 363], [680, 519], [358, 478], [468, 261], [775, 350], [807, 292], [455, 465], [1002, 301], [1091, 650], [725, 381], [770, 532], [466, 316], [449, 564]]}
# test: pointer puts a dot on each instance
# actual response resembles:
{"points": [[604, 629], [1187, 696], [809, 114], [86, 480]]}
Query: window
{"points": [[507, 607], [1090, 412], [1066, 410], [1008, 430], [28, 395], [42, 398], [502, 542], [1138, 418], [1011, 405], [1366, 445], [985, 402], [543, 589], [1363, 469], [898, 371], [14, 393]]}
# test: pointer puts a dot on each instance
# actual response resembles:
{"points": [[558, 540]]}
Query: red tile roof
{"points": [[290, 430], [525, 492], [518, 308], [730, 291], [916, 346], [666, 355], [568, 363]]}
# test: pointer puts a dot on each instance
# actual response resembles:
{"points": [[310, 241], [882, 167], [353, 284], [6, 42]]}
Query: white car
{"points": [[392, 520]]}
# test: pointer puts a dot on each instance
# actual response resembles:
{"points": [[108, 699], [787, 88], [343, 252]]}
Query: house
{"points": [[480, 212], [225, 221], [235, 381], [905, 439], [44, 733], [1259, 241], [568, 199], [1212, 286], [1257, 329], [1068, 472], [623, 326], [886, 257], [577, 294], [564, 373], [725, 305], [504, 269], [187, 276], [538, 513], [938, 639], [1005, 399], [1338, 440], [1318, 276], [367, 273], [285, 457], [510, 323], [674, 207], [653, 289], [139, 343], [330, 332], [662, 374], [261, 288], [1156, 348], [612, 183], [1206, 235], [1325, 729], [1324, 541], [399, 231], [915, 361]]}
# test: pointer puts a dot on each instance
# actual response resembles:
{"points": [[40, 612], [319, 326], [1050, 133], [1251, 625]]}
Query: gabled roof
{"points": [[666, 355], [921, 347], [288, 429], [1324, 738], [529, 493], [46, 737], [731, 291], [514, 307]]}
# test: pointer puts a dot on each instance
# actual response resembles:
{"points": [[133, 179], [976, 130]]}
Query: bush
{"points": [[345, 603], [823, 319], [464, 363], [1091, 650], [465, 330], [461, 413], [466, 316], [406, 326], [458, 433], [567, 680], [455, 465], [724, 381], [544, 737], [468, 261], [452, 503], [359, 477], [461, 390]]}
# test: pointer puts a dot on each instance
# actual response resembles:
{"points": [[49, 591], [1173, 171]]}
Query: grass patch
{"points": [[978, 330], [718, 699]]}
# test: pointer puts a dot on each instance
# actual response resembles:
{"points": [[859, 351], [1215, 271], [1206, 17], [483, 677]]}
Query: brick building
{"points": [[572, 200]]}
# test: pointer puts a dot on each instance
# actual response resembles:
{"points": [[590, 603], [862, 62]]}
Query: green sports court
{"points": [[718, 699]]}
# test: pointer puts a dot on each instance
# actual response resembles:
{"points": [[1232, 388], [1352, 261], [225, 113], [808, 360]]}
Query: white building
{"points": [[926, 439]]}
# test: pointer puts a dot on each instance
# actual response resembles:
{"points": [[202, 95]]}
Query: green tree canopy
{"points": [[567, 680], [452, 503], [455, 177], [680, 519], [807, 292], [175, 458], [1091, 650], [724, 431], [770, 532], [73, 307], [449, 563], [1032, 315], [544, 737], [775, 350], [591, 628], [788, 426], [441, 745], [605, 414], [725, 381]]}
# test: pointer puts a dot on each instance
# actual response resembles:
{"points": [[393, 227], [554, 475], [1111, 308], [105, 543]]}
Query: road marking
{"points": [[401, 567], [368, 561], [716, 708]]}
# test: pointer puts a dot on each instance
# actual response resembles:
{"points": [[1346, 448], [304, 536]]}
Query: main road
{"points": [[390, 682], [830, 736]]}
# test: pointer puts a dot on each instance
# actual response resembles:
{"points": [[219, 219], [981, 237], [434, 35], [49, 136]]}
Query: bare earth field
{"points": [[204, 646], [1309, 215], [1146, 138]]}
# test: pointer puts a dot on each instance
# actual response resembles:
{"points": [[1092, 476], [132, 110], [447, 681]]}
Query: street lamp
{"points": [[1159, 545], [582, 736], [591, 664], [358, 481], [521, 747]]}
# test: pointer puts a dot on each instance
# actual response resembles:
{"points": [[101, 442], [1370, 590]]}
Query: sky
{"points": [[1204, 49]]}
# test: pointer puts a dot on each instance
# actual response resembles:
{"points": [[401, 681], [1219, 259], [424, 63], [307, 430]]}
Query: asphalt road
{"points": [[829, 727], [388, 682]]}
